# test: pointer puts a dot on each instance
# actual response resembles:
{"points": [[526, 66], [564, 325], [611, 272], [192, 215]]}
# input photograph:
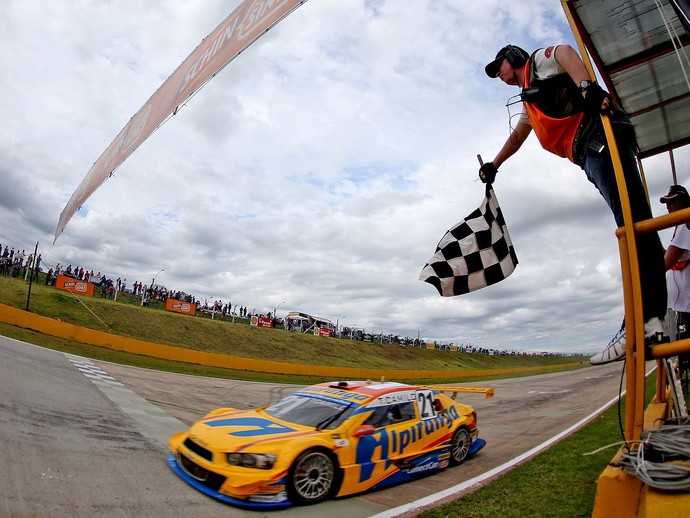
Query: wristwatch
{"points": [[584, 84]]}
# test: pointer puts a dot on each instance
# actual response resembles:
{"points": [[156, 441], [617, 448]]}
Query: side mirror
{"points": [[363, 430]]}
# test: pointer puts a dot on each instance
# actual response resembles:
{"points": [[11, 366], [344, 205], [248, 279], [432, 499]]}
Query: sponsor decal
{"points": [[220, 41], [256, 17], [76, 286], [322, 331], [332, 402], [395, 398], [180, 306], [394, 442], [264, 322], [258, 13], [548, 51], [430, 465], [339, 394]]}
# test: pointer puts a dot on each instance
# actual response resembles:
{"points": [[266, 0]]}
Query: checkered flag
{"points": [[475, 253]]}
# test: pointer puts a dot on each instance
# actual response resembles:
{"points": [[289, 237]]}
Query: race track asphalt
{"points": [[87, 438]]}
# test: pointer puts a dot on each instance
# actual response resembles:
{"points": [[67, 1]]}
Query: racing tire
{"points": [[460, 446], [311, 478]]}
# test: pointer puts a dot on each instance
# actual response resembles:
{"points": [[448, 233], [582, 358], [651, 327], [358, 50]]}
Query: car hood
{"points": [[239, 430]]}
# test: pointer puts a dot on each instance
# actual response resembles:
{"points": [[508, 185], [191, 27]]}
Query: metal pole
{"points": [[143, 292], [31, 279], [673, 167]]}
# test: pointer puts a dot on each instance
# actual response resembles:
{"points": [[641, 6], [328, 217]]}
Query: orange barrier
{"points": [[52, 327], [74, 285], [179, 306]]}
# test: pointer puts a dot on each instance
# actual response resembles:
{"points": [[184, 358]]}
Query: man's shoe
{"points": [[654, 334], [614, 351]]}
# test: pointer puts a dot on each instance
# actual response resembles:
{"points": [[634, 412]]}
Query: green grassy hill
{"points": [[127, 318]]}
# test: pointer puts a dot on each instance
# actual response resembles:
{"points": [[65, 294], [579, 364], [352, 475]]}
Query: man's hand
{"points": [[487, 172], [597, 100]]}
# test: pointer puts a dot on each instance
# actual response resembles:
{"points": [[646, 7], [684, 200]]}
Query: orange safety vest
{"points": [[555, 135]]}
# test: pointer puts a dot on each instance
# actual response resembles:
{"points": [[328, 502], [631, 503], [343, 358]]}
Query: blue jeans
{"points": [[650, 254]]}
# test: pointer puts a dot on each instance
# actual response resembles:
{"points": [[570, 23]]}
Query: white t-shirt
{"points": [[545, 66], [678, 281]]}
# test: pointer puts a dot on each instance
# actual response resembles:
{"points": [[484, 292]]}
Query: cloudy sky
{"points": [[316, 172]]}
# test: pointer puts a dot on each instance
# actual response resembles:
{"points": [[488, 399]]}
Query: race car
{"points": [[326, 440]]}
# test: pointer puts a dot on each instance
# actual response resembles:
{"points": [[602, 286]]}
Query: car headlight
{"points": [[252, 460]]}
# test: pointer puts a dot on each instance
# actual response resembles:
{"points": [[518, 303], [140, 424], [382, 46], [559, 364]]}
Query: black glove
{"points": [[487, 172], [594, 97]]}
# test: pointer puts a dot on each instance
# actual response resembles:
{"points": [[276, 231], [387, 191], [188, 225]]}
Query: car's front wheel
{"points": [[460, 446], [311, 477]]}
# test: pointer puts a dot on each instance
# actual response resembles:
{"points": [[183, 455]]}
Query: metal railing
{"points": [[636, 356]]}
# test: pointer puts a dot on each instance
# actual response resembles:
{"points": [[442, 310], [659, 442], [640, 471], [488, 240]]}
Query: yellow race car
{"points": [[327, 440]]}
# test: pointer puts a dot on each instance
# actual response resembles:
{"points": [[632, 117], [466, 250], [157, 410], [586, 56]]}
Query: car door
{"points": [[407, 438]]}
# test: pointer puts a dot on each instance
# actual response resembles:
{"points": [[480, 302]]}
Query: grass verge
{"points": [[559, 483]]}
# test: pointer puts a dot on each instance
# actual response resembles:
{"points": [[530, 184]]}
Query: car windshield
{"points": [[311, 410]]}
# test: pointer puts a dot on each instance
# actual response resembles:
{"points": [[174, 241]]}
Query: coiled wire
{"points": [[652, 462]]}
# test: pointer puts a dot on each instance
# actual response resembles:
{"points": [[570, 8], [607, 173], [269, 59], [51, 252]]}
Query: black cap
{"points": [[492, 68], [674, 192], [516, 56]]}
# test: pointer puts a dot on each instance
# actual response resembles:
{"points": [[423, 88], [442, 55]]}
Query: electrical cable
{"points": [[89, 309], [514, 99], [654, 461], [620, 400], [675, 40]]}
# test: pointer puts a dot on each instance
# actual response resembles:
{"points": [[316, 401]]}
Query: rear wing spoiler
{"points": [[455, 389]]}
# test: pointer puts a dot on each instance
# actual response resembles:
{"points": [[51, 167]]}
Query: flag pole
{"points": [[31, 279]]}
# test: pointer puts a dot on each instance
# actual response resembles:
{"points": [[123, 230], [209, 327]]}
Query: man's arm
{"points": [[672, 255], [513, 143], [487, 172], [572, 63]]}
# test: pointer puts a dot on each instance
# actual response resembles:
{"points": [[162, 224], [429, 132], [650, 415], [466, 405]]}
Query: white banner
{"points": [[246, 24]]}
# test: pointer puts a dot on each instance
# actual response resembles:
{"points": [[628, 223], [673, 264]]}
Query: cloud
{"points": [[316, 172]]}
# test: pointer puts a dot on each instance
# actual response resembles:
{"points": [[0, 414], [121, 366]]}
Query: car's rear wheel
{"points": [[311, 477], [460, 446]]}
